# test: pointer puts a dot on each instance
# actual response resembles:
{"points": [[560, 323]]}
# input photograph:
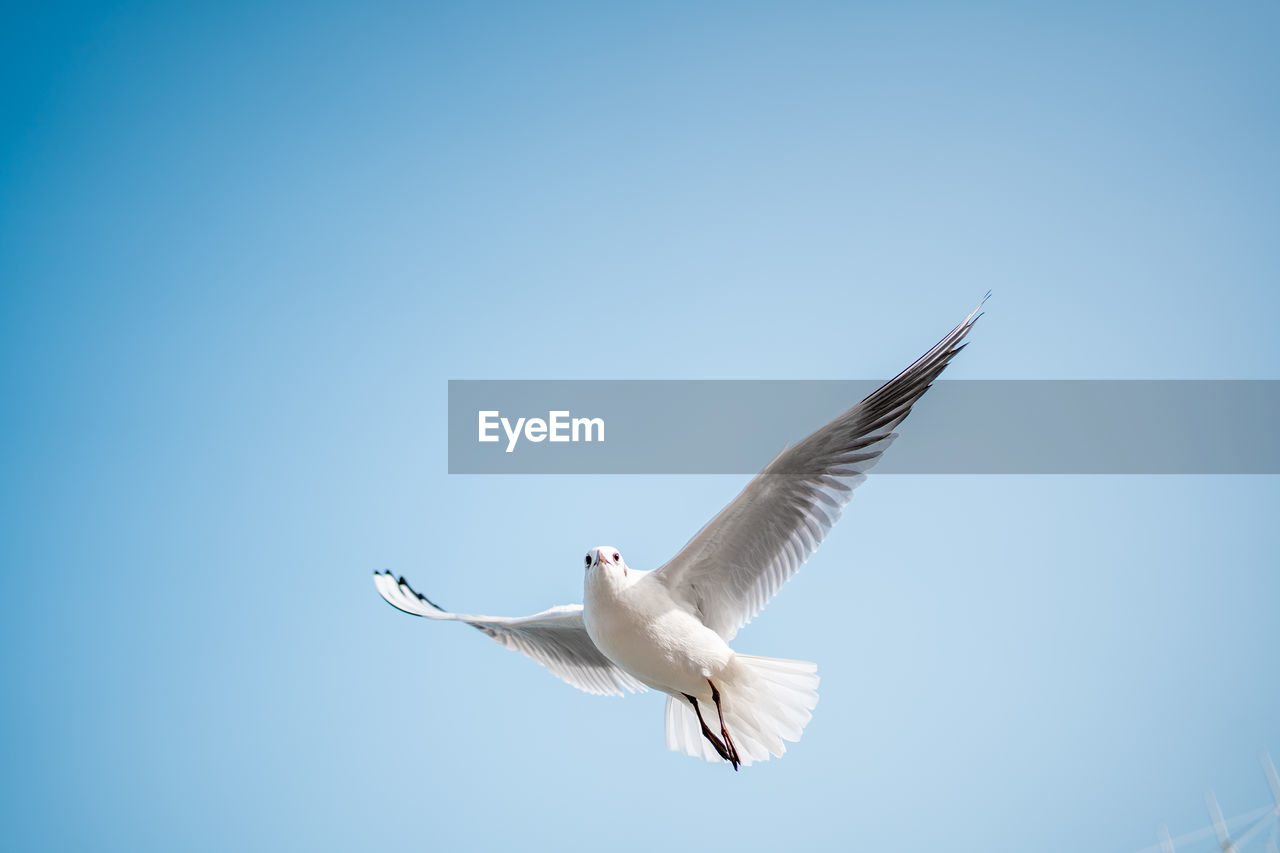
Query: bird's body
{"points": [[633, 619], [669, 629], [637, 623]]}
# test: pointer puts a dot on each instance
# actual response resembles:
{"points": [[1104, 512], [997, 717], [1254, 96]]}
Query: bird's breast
{"points": [[644, 631]]}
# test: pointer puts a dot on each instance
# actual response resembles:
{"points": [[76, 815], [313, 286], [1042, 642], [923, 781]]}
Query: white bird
{"points": [[669, 629]]}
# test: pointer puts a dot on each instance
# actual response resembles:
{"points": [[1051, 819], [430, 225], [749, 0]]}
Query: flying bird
{"points": [[669, 629]]}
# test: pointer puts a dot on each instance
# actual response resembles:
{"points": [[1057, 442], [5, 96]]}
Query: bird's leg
{"points": [[733, 750], [707, 733]]}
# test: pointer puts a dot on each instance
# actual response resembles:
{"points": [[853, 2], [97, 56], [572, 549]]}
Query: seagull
{"points": [[669, 629]]}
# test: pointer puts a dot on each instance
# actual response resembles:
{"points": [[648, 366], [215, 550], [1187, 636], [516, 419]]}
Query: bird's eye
{"points": [[617, 556], [588, 561]]}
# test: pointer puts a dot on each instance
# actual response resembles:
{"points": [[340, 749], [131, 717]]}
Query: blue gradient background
{"points": [[243, 247]]}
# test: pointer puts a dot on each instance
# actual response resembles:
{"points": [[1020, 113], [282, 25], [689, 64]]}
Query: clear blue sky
{"points": [[243, 248]]}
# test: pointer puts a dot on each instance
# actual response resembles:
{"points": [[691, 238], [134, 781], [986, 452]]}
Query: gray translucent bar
{"points": [[958, 427]]}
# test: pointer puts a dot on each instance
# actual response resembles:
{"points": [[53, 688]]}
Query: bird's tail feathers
{"points": [[765, 701]]}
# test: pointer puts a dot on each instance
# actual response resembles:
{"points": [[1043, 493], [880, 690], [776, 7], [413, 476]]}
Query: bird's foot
{"points": [[728, 753], [732, 757]]}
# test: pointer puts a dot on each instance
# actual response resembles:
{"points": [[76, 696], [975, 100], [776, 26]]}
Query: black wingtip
{"points": [[405, 584], [977, 312]]}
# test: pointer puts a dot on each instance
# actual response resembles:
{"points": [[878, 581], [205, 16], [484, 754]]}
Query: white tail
{"points": [[765, 701]]}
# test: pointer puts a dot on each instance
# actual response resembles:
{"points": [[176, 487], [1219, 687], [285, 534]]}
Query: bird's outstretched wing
{"points": [[731, 569], [555, 638]]}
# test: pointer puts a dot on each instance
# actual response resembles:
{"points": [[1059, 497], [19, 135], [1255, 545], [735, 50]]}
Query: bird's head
{"points": [[605, 556]]}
